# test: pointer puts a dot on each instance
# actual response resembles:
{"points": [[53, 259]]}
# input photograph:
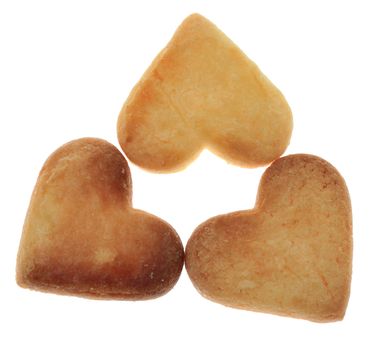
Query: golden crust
{"points": [[201, 91], [291, 255], [82, 237]]}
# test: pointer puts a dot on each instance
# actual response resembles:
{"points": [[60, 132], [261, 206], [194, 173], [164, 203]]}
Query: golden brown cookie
{"points": [[291, 255], [202, 91], [82, 237]]}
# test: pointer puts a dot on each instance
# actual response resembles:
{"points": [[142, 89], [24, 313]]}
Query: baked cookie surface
{"points": [[202, 91], [82, 237], [291, 255]]}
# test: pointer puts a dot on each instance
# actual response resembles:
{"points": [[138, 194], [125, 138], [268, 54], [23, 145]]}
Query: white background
{"points": [[65, 70]]}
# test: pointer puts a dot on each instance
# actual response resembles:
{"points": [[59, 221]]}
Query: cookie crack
{"points": [[324, 283], [174, 107]]}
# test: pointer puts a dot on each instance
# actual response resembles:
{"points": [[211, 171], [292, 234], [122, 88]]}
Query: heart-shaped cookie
{"points": [[290, 255], [82, 237], [202, 91]]}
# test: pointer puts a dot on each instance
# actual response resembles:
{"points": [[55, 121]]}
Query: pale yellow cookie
{"points": [[202, 91], [82, 237], [291, 255]]}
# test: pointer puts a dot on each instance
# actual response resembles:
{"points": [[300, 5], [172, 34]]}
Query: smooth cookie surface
{"points": [[200, 92]]}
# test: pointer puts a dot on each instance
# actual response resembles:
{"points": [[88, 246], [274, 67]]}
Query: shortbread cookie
{"points": [[291, 255], [200, 92], [82, 237]]}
